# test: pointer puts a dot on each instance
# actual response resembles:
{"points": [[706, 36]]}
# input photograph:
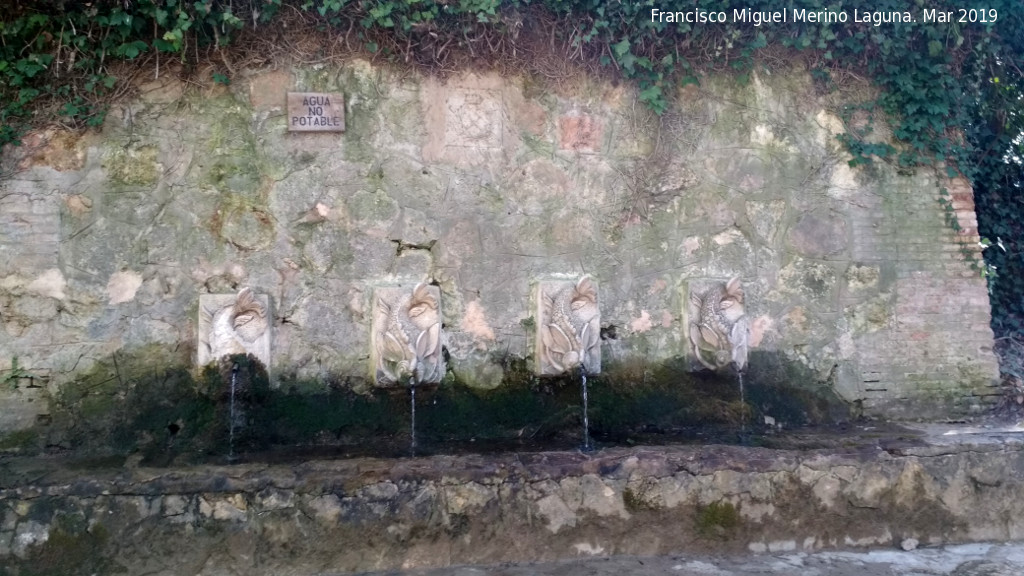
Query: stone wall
{"points": [[485, 186], [356, 515]]}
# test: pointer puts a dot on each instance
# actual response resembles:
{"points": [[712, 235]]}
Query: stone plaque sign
{"points": [[316, 112]]}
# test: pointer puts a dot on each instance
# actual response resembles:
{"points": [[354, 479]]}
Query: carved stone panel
{"points": [[717, 325], [234, 324], [568, 326], [473, 118], [406, 338], [580, 133]]}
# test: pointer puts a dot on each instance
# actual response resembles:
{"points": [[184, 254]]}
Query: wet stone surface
{"points": [[983, 559]]}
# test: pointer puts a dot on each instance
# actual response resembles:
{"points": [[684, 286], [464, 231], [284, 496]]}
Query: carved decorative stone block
{"points": [[568, 326], [580, 133], [234, 324], [717, 325], [473, 118], [406, 337]]}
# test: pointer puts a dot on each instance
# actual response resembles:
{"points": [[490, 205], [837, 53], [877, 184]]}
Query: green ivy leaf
{"points": [[621, 48]]}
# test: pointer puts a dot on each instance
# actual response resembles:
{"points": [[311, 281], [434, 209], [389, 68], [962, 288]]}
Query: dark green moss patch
{"points": [[635, 500], [719, 520], [73, 548], [791, 393], [19, 441], [148, 402]]}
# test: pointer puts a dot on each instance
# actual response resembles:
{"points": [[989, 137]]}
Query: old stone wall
{"points": [[485, 186], [357, 515]]}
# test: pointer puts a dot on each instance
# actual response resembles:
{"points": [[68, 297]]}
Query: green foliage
{"points": [[931, 73]]}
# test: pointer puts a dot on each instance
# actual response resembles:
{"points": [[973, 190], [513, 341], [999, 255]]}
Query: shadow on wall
{"points": [[149, 403]]}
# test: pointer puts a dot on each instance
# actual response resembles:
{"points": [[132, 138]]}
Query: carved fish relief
{"points": [[235, 328], [409, 337], [570, 328], [718, 326]]}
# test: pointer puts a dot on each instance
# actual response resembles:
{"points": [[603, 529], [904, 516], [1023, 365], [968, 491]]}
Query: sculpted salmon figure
{"points": [[570, 331], [235, 328], [718, 326], [408, 336]]}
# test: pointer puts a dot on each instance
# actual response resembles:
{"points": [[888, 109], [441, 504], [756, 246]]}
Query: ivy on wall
{"points": [[953, 88]]}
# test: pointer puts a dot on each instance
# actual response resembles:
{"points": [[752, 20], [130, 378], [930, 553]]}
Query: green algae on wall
{"points": [[149, 403]]}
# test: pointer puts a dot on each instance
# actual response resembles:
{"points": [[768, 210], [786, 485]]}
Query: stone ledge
{"points": [[371, 514]]}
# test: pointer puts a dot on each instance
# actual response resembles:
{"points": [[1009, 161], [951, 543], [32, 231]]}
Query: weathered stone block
{"points": [[473, 118], [580, 133], [819, 234]]}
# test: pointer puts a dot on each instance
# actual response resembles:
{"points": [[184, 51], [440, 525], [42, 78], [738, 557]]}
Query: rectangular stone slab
{"points": [[691, 312], [405, 341], [210, 305], [316, 112], [568, 330]]}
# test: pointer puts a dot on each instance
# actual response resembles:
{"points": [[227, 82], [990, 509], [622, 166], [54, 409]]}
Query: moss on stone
{"points": [[244, 222], [812, 280], [719, 520], [872, 315], [635, 501], [20, 441], [131, 400], [364, 95], [131, 166], [74, 547], [231, 160], [148, 401]]}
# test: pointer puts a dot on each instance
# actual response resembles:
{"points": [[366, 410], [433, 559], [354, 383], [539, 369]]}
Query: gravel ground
{"points": [[1005, 559]]}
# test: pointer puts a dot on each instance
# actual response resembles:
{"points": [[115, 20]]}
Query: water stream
{"points": [[231, 413], [743, 403], [587, 446], [412, 431]]}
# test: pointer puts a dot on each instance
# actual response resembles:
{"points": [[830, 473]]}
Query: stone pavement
{"points": [[981, 559]]}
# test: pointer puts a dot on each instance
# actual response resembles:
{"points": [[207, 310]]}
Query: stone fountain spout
{"points": [[568, 333], [232, 324], [407, 343], [718, 326]]}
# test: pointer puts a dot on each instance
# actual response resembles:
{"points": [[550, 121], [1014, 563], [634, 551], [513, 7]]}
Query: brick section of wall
{"points": [[872, 238], [937, 359]]}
